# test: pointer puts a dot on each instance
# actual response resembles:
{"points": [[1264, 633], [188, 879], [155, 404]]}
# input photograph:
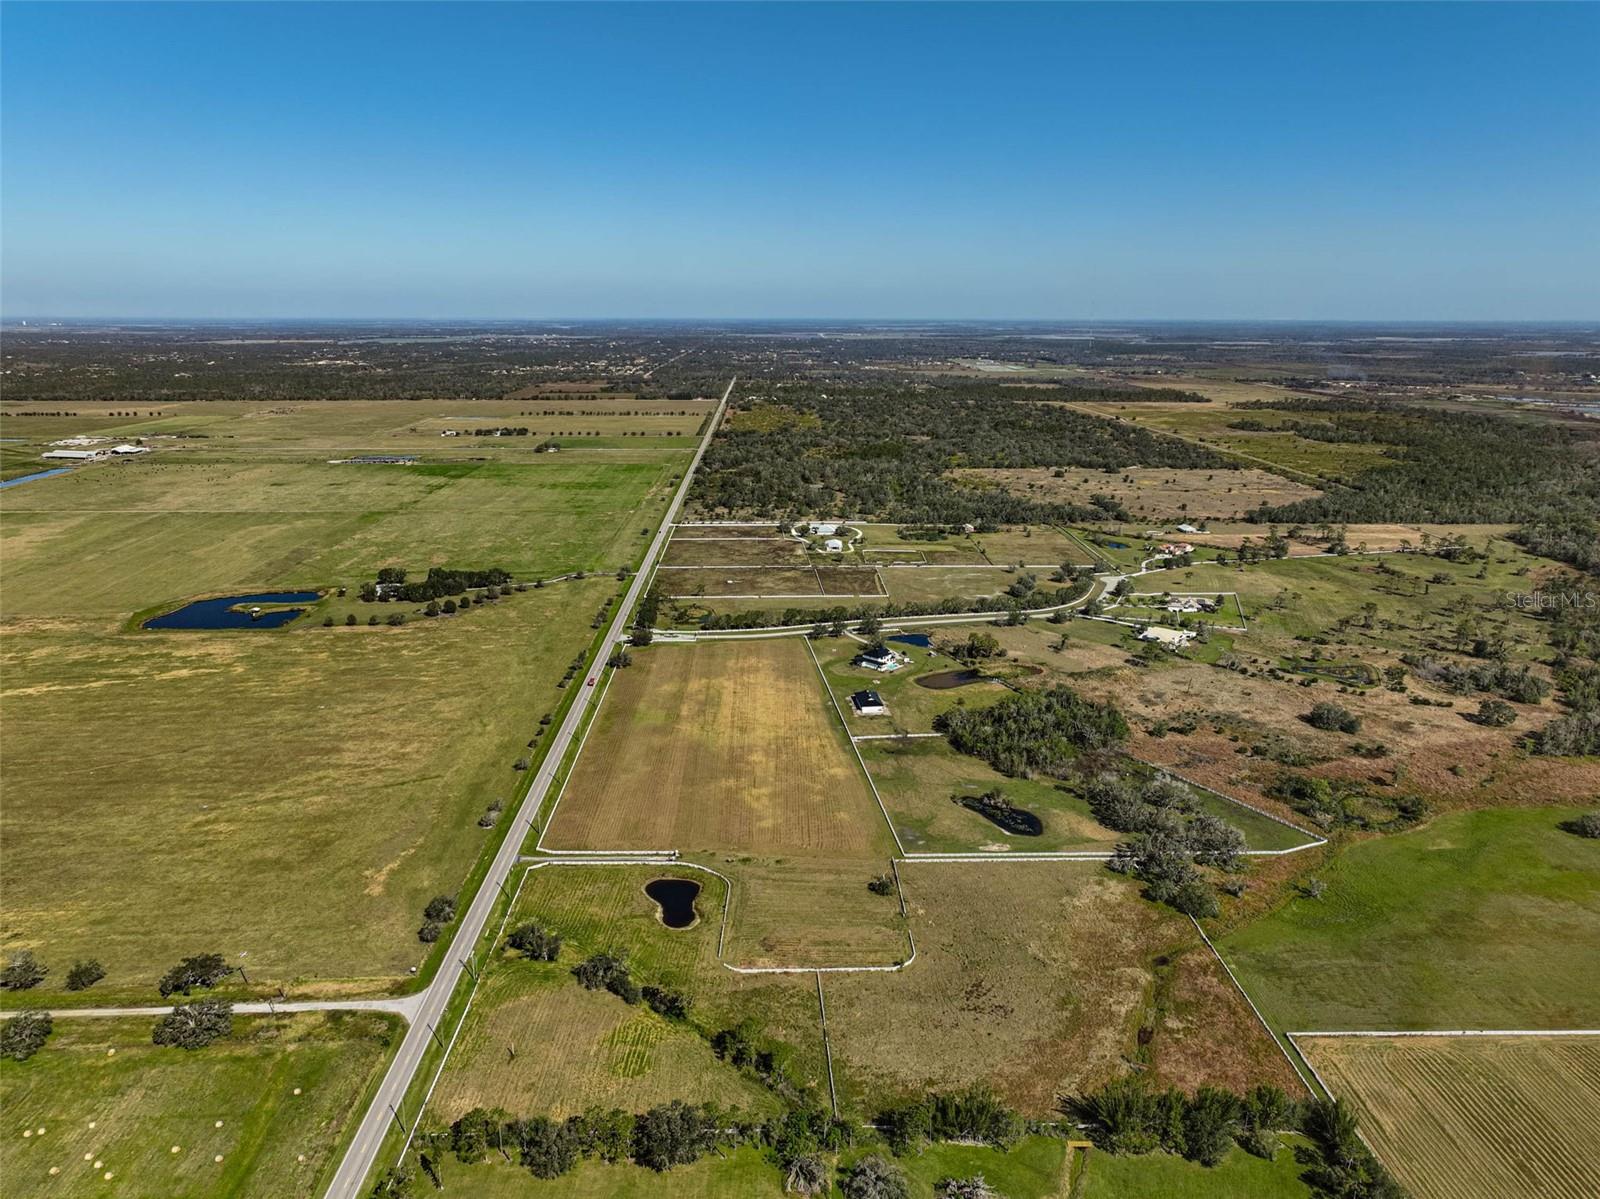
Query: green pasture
{"points": [[1481, 919], [1239, 1176]]}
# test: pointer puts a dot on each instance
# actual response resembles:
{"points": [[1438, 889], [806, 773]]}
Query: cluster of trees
{"points": [[1447, 467], [1564, 536], [1171, 837], [1517, 683], [1033, 731], [883, 452], [974, 1114], [23, 971], [440, 582], [840, 613], [195, 1025], [607, 971], [974, 647], [203, 970], [441, 910]]}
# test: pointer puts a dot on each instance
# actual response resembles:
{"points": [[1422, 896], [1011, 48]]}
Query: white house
{"points": [[869, 703], [1170, 638], [833, 545], [885, 661]]}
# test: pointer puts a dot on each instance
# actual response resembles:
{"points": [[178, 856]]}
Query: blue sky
{"points": [[1074, 162]]}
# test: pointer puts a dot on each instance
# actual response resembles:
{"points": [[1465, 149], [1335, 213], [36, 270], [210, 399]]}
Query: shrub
{"points": [[874, 1177], [195, 1025], [883, 884], [1332, 718], [202, 970], [666, 1003], [965, 1188], [23, 971], [1495, 714], [1587, 825], [441, 908], [429, 932], [24, 1035], [84, 974], [610, 972], [535, 942]]}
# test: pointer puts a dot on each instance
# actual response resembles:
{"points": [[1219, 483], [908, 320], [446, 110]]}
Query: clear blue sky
{"points": [[1074, 162]]}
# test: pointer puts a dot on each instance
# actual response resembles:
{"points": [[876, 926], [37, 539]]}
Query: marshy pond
{"points": [[235, 612], [675, 897]]}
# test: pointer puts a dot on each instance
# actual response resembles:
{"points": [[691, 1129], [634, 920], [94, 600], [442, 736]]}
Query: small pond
{"points": [[1116, 545], [675, 897], [1019, 822], [944, 680], [233, 612], [918, 639]]}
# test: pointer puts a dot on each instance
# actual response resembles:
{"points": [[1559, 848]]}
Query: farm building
{"points": [[1177, 547], [130, 449], [823, 528], [72, 455], [869, 703], [1171, 638], [884, 660], [833, 545], [1188, 529]]}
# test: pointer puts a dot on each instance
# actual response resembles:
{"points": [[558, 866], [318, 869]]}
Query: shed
{"points": [[833, 545], [869, 703]]}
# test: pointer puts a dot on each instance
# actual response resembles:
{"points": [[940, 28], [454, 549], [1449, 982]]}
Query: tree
{"points": [[22, 971], [874, 1177], [441, 908], [1495, 714], [84, 974], [548, 1149], [807, 1174], [24, 1034], [1332, 718], [535, 942], [1209, 1120], [965, 1188], [201, 970], [474, 1133], [429, 932], [672, 1134], [394, 1183], [195, 1025]]}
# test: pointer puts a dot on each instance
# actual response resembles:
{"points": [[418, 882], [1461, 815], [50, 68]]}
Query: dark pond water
{"points": [[675, 897], [921, 639], [944, 680], [233, 612], [1116, 545], [1019, 822]]}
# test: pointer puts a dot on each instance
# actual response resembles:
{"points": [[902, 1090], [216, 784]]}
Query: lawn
{"points": [[1480, 919], [912, 708], [1240, 1176], [730, 745], [274, 1103], [1474, 1118], [919, 781]]}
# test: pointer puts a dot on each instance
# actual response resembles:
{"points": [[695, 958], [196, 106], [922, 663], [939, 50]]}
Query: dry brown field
{"points": [[1034, 977], [734, 551], [809, 913], [849, 580], [724, 532], [729, 745], [1150, 493], [1474, 1117], [738, 580]]}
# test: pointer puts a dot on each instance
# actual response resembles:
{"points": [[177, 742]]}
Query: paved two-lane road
{"points": [[368, 1139]]}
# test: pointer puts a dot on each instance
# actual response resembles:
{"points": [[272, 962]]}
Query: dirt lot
{"points": [[738, 580], [1151, 493], [1474, 1118], [719, 746], [734, 551]]}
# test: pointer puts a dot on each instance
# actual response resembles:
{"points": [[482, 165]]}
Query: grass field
{"points": [[1240, 1176], [733, 551], [1031, 976], [804, 912], [1478, 920], [920, 779], [679, 583], [275, 789], [912, 708], [1474, 1118], [575, 1047], [719, 746], [274, 1102], [925, 584]]}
